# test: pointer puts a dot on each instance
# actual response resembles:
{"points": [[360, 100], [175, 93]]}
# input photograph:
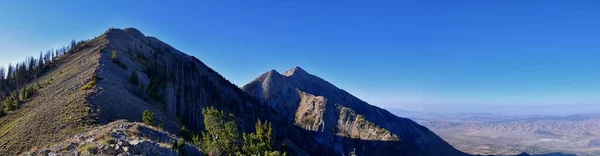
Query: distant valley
{"points": [[491, 134]]}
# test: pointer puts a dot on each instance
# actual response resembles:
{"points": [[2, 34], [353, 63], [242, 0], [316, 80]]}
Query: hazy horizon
{"points": [[507, 57]]}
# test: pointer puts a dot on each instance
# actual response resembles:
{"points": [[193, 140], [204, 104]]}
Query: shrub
{"points": [[148, 117], [261, 141], [11, 103], [110, 141], [134, 78], [178, 146], [115, 55], [89, 148], [90, 84], [2, 109], [221, 134]]}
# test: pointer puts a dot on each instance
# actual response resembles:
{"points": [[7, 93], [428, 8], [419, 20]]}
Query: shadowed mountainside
{"points": [[331, 113]]}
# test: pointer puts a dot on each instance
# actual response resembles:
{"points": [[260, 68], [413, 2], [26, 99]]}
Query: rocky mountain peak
{"points": [[295, 71], [134, 32]]}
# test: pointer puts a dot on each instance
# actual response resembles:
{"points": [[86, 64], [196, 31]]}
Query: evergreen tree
{"points": [[9, 74], [148, 117], [2, 109], [73, 44], [261, 141], [2, 80], [40, 63], [221, 134]]}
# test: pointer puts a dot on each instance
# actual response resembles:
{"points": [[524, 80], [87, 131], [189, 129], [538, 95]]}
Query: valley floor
{"points": [[489, 134]]}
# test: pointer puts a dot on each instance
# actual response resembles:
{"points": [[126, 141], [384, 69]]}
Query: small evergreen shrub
{"points": [[148, 117]]}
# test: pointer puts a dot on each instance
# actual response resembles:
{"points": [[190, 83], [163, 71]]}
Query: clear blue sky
{"points": [[496, 56]]}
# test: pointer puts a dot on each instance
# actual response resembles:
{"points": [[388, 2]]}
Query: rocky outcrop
{"points": [[119, 138], [340, 120], [310, 112], [354, 125]]}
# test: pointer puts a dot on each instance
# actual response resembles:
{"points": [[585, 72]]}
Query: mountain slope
{"points": [[59, 109], [177, 87], [94, 85], [341, 120]]}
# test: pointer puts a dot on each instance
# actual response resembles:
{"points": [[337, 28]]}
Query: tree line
{"points": [[16, 77]]}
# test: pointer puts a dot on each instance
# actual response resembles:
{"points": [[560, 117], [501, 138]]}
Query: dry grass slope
{"points": [[60, 109]]}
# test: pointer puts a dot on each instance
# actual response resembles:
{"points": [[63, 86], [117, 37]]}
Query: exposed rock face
{"points": [[341, 120], [119, 138], [309, 114], [353, 125]]}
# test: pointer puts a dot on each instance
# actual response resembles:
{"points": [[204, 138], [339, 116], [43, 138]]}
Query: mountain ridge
{"points": [[310, 115], [317, 105]]}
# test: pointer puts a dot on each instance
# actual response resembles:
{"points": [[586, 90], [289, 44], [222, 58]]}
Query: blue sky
{"points": [[499, 56]]}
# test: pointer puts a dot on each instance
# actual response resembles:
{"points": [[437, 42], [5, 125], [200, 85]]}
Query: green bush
{"points": [[178, 146], [221, 134], [148, 117], [11, 103], [115, 55], [261, 141]]}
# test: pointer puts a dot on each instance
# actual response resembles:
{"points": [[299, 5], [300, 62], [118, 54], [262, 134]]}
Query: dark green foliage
{"points": [[11, 103], [185, 133], [155, 86], [148, 117], [259, 142], [178, 146], [221, 134], [134, 78], [2, 113]]}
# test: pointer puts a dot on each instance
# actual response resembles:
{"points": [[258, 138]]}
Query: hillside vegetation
{"points": [[48, 103]]}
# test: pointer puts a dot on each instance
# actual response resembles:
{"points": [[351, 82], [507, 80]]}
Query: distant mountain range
{"points": [[483, 133]]}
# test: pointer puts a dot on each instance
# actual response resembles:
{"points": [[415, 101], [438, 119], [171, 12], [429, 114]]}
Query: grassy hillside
{"points": [[59, 108]]}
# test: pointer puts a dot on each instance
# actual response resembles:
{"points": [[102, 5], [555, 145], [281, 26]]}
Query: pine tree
{"points": [[40, 63], [2, 79], [221, 134], [9, 75], [148, 117], [261, 141]]}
